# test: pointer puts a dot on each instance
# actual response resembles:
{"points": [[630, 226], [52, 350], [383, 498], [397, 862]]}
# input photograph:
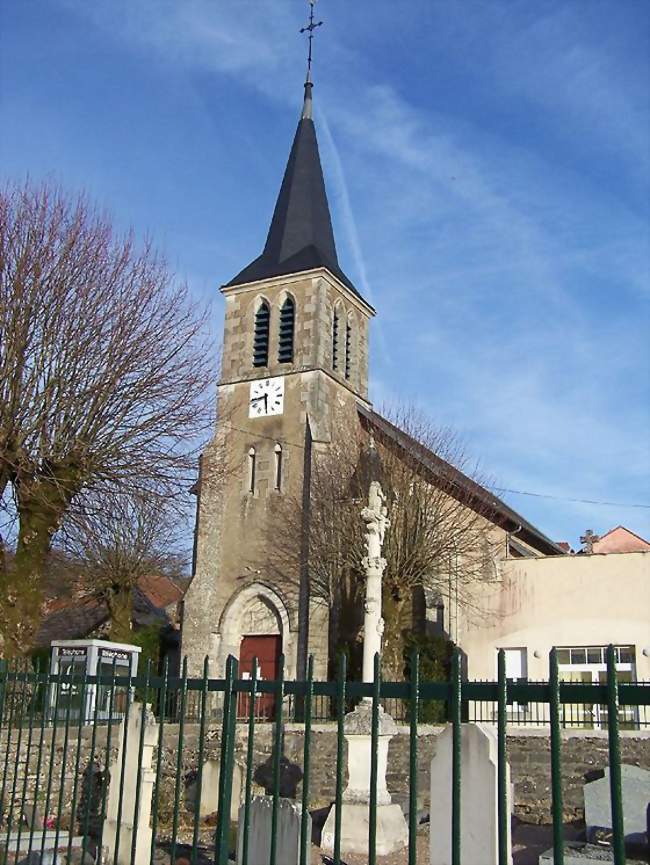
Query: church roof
{"points": [[301, 236], [458, 484]]}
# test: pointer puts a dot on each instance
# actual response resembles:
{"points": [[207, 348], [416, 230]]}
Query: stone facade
{"points": [[246, 561]]}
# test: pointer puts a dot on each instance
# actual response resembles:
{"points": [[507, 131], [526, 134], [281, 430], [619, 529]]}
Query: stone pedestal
{"points": [[392, 831]]}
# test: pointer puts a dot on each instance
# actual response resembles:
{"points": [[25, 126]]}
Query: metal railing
{"points": [[37, 723]]}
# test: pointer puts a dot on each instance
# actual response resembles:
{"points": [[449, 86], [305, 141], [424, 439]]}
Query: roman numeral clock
{"points": [[266, 397]]}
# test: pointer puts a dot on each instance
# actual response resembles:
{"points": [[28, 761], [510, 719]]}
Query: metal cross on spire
{"points": [[309, 28]]}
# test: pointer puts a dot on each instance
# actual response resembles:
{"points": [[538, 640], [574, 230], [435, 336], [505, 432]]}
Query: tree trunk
{"points": [[40, 505], [21, 594], [120, 607], [393, 643]]}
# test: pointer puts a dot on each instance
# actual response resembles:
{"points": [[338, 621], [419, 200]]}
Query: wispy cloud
{"points": [[506, 252]]}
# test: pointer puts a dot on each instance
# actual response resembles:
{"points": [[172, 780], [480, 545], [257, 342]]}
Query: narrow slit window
{"points": [[287, 326], [251, 470], [278, 467], [348, 349], [335, 341], [261, 335]]}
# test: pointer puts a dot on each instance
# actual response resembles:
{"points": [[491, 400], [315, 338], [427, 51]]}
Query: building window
{"points": [[278, 467], [588, 665], [348, 349], [261, 335], [251, 470], [287, 323], [335, 340]]}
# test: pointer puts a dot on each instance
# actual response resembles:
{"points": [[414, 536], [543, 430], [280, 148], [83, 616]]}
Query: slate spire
{"points": [[300, 237]]}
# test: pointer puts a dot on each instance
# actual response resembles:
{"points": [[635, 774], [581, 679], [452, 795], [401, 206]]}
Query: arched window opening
{"points": [[335, 340], [278, 467], [251, 470], [348, 348], [261, 335], [287, 325]]}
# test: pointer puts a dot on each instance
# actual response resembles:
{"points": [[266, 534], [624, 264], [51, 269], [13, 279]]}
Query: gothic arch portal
{"points": [[256, 609]]}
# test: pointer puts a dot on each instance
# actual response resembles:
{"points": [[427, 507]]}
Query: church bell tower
{"points": [[294, 367]]}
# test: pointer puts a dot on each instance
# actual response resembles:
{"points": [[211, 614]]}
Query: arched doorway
{"points": [[261, 642], [256, 624]]}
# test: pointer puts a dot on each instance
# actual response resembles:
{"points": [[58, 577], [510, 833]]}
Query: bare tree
{"points": [[114, 543], [440, 531], [104, 374]]}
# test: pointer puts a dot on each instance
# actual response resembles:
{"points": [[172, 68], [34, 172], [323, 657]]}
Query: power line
{"points": [[567, 499]]}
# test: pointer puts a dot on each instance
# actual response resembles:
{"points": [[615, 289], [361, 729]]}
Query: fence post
{"points": [[456, 702], [414, 707], [502, 793], [138, 783], [227, 760], [556, 766], [162, 706], [340, 730], [179, 759], [618, 841], [306, 764], [277, 760], [374, 751], [250, 752]]}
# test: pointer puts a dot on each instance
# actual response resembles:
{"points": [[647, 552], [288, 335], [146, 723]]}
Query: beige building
{"points": [[578, 604]]}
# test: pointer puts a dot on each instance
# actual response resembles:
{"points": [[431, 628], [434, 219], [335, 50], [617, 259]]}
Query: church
{"points": [[294, 380]]}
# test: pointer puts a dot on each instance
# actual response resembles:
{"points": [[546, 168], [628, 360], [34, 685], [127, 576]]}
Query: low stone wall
{"points": [[583, 754]]}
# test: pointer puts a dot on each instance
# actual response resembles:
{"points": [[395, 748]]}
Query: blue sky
{"points": [[488, 168]]}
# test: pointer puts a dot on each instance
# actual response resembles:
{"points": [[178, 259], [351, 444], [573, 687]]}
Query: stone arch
{"points": [[256, 609]]}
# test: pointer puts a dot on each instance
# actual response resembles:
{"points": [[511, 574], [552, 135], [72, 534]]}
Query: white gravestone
{"points": [[479, 839], [209, 803], [128, 826], [259, 831]]}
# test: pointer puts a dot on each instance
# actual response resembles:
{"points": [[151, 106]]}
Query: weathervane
{"points": [[309, 28]]}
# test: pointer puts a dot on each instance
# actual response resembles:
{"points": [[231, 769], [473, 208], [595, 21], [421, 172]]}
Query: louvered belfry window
{"points": [[335, 340], [348, 349], [261, 335], [287, 322]]}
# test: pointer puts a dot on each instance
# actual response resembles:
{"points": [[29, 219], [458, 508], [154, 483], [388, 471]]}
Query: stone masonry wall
{"points": [[583, 753]]}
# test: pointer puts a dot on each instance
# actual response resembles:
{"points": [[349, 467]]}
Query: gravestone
{"points": [[129, 826], [585, 854], [259, 831], [479, 837], [209, 803], [33, 817], [635, 789]]}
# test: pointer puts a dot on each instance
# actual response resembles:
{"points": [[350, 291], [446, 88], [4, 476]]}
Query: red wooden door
{"points": [[266, 649]]}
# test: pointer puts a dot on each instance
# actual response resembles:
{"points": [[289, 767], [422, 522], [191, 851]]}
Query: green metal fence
{"points": [[56, 760]]}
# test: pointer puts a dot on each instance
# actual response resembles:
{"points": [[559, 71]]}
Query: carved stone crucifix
{"points": [[375, 516]]}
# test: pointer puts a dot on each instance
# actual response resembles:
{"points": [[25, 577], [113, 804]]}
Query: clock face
{"points": [[266, 397]]}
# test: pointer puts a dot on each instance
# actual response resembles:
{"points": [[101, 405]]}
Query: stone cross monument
{"points": [[376, 519], [392, 832]]}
